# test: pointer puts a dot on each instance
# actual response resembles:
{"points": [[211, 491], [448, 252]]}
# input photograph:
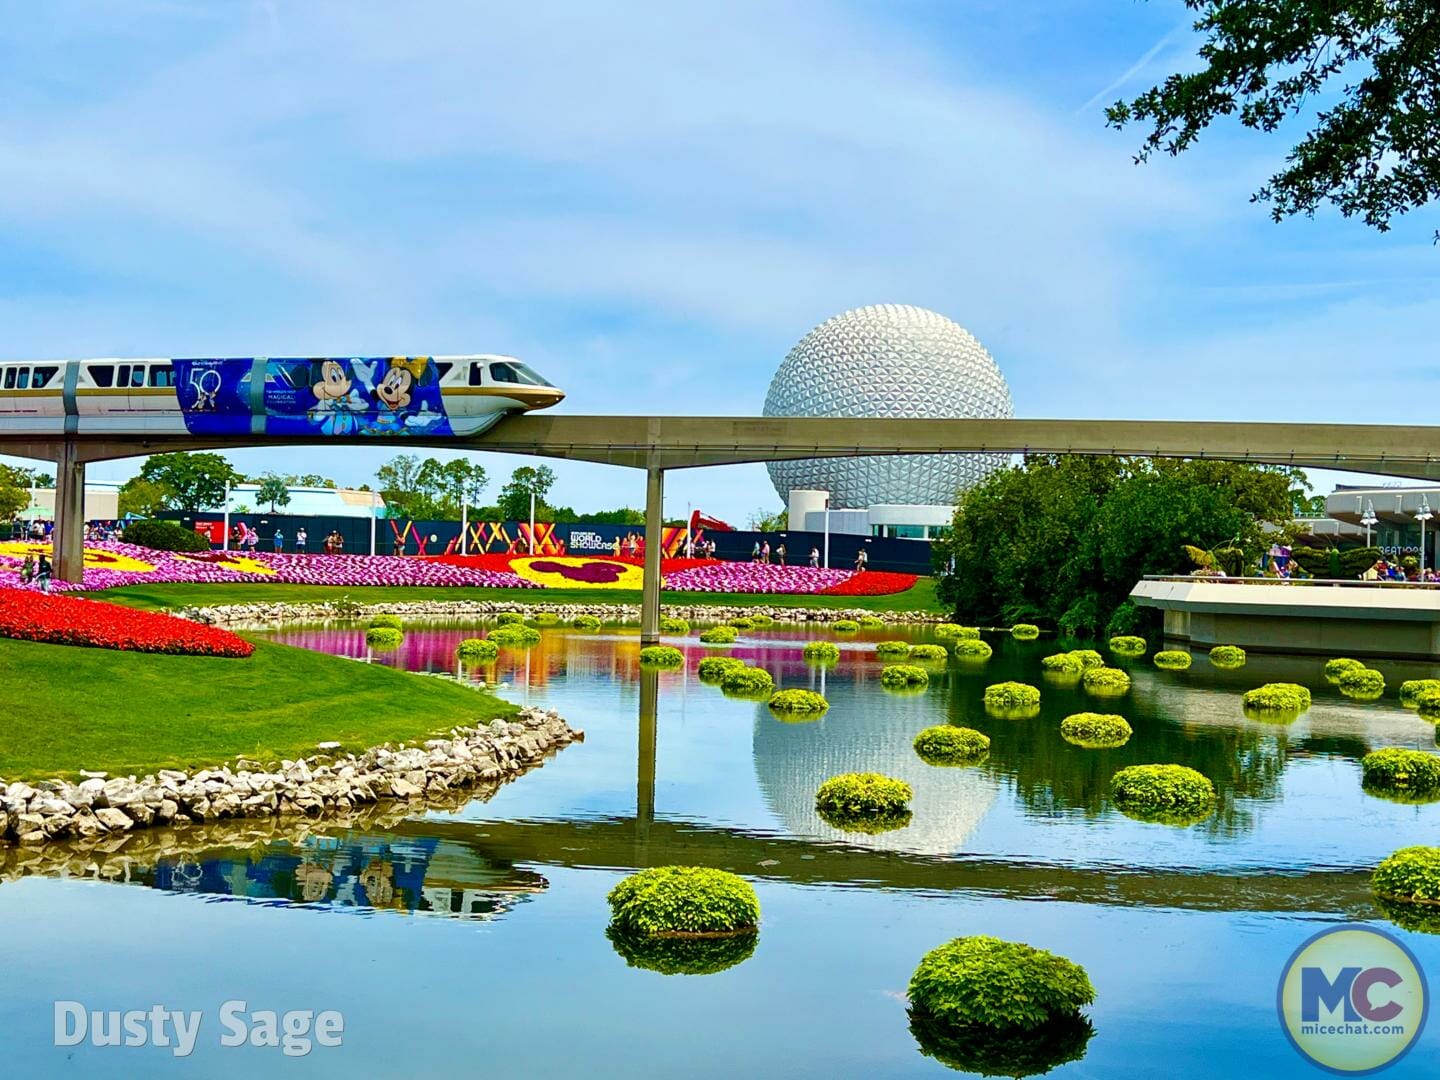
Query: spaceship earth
{"points": [[881, 361]]}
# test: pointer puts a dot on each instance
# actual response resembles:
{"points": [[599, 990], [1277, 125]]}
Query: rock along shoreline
{"points": [[324, 785]]}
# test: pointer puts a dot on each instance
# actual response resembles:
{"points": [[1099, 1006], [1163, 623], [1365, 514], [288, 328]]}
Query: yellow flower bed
{"points": [[109, 560]]}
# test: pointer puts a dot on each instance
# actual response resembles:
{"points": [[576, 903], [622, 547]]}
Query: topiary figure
{"points": [[946, 744], [1128, 645], [720, 635], [871, 621], [1106, 681], [545, 618], [385, 619], [1363, 683], [1011, 695], [586, 622], [509, 618], [1411, 689], [684, 901], [661, 656], [671, 624], [823, 651], [1171, 660], [514, 636], [1289, 698], [903, 675], [1410, 875], [1088, 658], [474, 648], [1003, 986], [798, 701], [1396, 770], [1227, 656], [863, 794], [1062, 664], [682, 956], [1024, 631], [1339, 666], [383, 637], [845, 626], [973, 649], [928, 652], [1095, 731], [748, 681], [892, 648], [715, 668], [1170, 794]]}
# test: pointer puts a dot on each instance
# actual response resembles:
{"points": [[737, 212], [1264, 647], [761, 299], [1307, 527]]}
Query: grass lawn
{"points": [[123, 712], [919, 598]]}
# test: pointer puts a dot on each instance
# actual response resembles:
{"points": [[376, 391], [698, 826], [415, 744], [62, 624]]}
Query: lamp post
{"points": [[225, 540], [1368, 519], [532, 523], [1423, 515], [827, 530]]}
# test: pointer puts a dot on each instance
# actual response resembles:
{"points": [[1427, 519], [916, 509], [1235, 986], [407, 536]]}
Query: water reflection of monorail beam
{"points": [[619, 843]]}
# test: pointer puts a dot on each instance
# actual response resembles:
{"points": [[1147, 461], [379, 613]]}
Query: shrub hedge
{"points": [[928, 652], [1411, 689], [715, 668], [586, 622], [845, 626], [1427, 702], [892, 648], [1128, 645], [1411, 874], [386, 619], [1172, 659], [509, 618], [748, 680], [1339, 666], [719, 635], [474, 648], [821, 650], [973, 649], [871, 621], [904, 675], [384, 637], [798, 701], [759, 618], [984, 982], [863, 793], [955, 630], [1227, 656], [741, 622], [164, 536], [514, 636], [671, 624], [661, 656], [1277, 697], [1163, 791], [1106, 680], [1362, 683], [1397, 769], [1063, 663], [1088, 658], [545, 618], [688, 900], [946, 744], [1011, 695], [1095, 731], [1024, 631]]}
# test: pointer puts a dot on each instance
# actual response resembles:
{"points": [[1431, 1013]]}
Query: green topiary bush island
{"points": [[1427, 703], [1088, 658], [1411, 689], [514, 636], [805, 702], [1363, 683], [720, 635], [871, 621], [671, 624], [1011, 695], [845, 626], [863, 794], [1277, 697], [742, 622], [661, 656], [1338, 667], [474, 648], [1063, 664], [1106, 681], [892, 648], [946, 744], [1172, 660], [824, 651], [383, 637], [586, 622], [1173, 794], [759, 618], [684, 901], [1024, 631], [748, 681], [1095, 731], [1410, 875], [1128, 645], [545, 618], [385, 619], [164, 536], [1227, 656], [509, 618], [928, 652], [1396, 770], [1003, 986], [903, 675], [715, 668], [973, 649]]}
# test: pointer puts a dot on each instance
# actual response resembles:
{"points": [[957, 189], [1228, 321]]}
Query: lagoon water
{"points": [[473, 942]]}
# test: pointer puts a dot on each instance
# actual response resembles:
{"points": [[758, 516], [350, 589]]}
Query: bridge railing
{"points": [[1343, 583]]}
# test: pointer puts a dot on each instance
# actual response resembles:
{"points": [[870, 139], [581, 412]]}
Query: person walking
{"points": [[815, 558], [755, 555], [765, 553], [279, 541], [27, 570], [42, 572], [861, 558], [780, 553], [300, 541]]}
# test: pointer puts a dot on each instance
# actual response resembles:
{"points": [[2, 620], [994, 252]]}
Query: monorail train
{"points": [[308, 397]]}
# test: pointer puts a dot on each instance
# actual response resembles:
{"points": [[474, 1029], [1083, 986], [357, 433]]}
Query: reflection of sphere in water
{"points": [[682, 956], [1003, 1051], [793, 760]]}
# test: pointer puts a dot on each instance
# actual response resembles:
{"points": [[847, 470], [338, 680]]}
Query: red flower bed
{"points": [[64, 620], [872, 583]]}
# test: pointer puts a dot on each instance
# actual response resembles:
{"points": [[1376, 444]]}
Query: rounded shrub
{"points": [[826, 651], [386, 619], [514, 636], [1277, 697], [1172, 659], [845, 626], [759, 618], [928, 652], [545, 618], [1095, 731], [892, 648], [1411, 689], [1011, 695], [946, 744], [661, 656], [1339, 666], [715, 668], [474, 648], [863, 794], [956, 631], [983, 982], [973, 649], [742, 622], [903, 675], [1024, 631], [805, 702], [1362, 683], [719, 635], [586, 622], [748, 681], [1397, 770], [1088, 658], [509, 618], [383, 637], [682, 956], [1128, 645], [871, 622], [1227, 656], [688, 901], [1411, 875], [1173, 794], [671, 624], [1106, 680], [1063, 663], [164, 536], [1427, 703]]}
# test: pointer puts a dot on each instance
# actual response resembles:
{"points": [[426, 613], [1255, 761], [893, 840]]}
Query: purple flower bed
{"points": [[755, 578]]}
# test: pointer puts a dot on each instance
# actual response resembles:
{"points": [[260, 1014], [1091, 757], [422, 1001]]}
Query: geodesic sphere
{"points": [[883, 361]]}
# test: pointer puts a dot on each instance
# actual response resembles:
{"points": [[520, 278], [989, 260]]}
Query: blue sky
{"points": [[652, 203]]}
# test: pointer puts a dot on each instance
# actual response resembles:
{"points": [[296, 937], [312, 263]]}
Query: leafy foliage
{"points": [[741, 622], [1024, 631], [1174, 794], [682, 956], [863, 793], [1088, 658], [1374, 153], [683, 900], [1172, 659], [971, 649], [903, 675], [871, 621], [1095, 731], [719, 635], [1277, 696], [512, 636], [892, 648], [928, 652], [544, 618], [1106, 680], [955, 630], [477, 649], [1412, 873], [273, 490], [1362, 683], [715, 668], [164, 536], [190, 481], [798, 701], [845, 626], [1064, 663], [661, 656], [1227, 656], [384, 637], [586, 622], [1011, 695], [982, 981], [973, 1048], [748, 680], [1335, 669], [1395, 768], [386, 619], [1411, 689], [826, 651], [673, 624], [514, 502], [946, 744], [510, 618], [1128, 645]]}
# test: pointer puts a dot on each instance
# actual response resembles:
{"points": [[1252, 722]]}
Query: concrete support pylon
{"points": [[654, 523], [68, 537]]}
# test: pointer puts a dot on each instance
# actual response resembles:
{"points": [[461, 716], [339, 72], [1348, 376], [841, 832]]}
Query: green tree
{"points": [[514, 502], [399, 486], [1374, 152], [311, 480], [760, 521], [273, 490], [194, 481], [448, 485], [143, 498], [623, 516], [15, 484]]}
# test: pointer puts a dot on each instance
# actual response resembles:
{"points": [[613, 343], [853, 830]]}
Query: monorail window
{"points": [[103, 374], [22, 379], [477, 374], [10, 378], [137, 375], [509, 372], [162, 375], [43, 375], [442, 368]]}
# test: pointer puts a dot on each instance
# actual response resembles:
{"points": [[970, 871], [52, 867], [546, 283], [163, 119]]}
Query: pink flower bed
{"points": [[741, 577]]}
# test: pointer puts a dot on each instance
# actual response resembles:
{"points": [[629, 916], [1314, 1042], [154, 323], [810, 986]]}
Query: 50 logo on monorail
{"points": [[1352, 1000]]}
